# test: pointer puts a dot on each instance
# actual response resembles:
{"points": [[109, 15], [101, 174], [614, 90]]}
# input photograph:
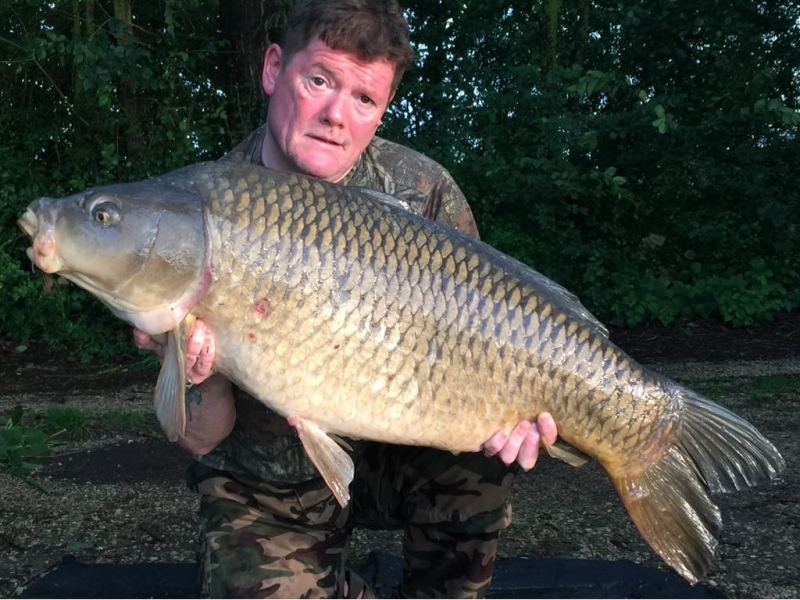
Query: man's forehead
{"points": [[318, 52]]}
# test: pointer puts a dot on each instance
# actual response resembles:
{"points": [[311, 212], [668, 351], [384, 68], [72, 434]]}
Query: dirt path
{"points": [[114, 492]]}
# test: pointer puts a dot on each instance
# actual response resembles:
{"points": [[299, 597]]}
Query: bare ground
{"points": [[114, 493]]}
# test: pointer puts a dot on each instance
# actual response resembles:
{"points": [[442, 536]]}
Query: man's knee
{"points": [[396, 485], [471, 495], [447, 564], [247, 549]]}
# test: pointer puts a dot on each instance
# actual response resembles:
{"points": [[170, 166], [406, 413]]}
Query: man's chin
{"points": [[328, 171]]}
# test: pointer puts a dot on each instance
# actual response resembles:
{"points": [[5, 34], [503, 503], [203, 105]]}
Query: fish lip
{"points": [[29, 223], [42, 251]]}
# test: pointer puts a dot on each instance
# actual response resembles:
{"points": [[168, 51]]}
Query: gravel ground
{"points": [[115, 494]]}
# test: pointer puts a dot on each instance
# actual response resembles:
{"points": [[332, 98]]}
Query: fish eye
{"points": [[105, 213]]}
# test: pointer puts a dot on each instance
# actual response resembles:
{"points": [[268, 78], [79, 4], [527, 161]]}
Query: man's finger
{"points": [[195, 342], [510, 451], [496, 443], [547, 428], [529, 451], [194, 346], [200, 351], [143, 340], [205, 359]]}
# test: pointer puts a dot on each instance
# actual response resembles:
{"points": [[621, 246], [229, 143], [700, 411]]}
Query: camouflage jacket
{"points": [[262, 444]]}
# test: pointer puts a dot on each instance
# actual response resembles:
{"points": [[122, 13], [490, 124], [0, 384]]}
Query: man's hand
{"points": [[199, 351], [522, 444]]}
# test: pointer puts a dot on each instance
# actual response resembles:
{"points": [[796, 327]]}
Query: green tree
{"points": [[640, 153], [96, 91], [637, 153]]}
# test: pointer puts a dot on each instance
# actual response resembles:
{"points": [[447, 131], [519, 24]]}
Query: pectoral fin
{"points": [[333, 463], [569, 454], [170, 393]]}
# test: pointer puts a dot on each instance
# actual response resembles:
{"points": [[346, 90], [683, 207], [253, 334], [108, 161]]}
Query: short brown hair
{"points": [[368, 29]]}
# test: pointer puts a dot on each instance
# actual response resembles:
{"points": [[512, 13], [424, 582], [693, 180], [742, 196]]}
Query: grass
{"points": [[70, 419], [768, 388], [64, 418], [23, 446], [133, 422], [125, 419], [761, 390], [715, 389]]}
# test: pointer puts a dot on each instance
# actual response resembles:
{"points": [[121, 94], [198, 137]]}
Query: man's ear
{"points": [[272, 66]]}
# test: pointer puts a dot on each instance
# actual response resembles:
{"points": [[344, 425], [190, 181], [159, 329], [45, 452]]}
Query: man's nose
{"points": [[335, 111]]}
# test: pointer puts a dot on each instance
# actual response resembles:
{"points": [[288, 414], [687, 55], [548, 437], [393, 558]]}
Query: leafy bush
{"points": [[651, 179], [633, 295], [56, 312], [21, 447]]}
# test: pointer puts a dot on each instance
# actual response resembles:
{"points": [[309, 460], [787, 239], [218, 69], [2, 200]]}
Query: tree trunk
{"points": [[582, 30], [248, 27], [552, 9], [83, 27], [130, 102]]}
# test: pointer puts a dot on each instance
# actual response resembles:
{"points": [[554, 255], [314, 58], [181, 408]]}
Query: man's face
{"points": [[325, 106]]}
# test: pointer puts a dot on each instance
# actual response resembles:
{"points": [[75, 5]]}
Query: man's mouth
{"points": [[326, 141]]}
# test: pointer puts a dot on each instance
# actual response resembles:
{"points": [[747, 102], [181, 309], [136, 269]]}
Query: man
{"points": [[270, 527]]}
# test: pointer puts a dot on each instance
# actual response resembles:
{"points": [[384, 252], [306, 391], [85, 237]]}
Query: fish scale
{"points": [[352, 317], [349, 236]]}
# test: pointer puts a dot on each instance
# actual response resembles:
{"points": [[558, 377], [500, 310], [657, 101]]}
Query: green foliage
{"points": [[59, 314], [643, 294], [91, 99], [21, 447], [645, 166], [641, 154], [65, 418]]}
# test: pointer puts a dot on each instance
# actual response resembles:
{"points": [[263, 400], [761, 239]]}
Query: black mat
{"points": [[514, 578], [559, 578]]}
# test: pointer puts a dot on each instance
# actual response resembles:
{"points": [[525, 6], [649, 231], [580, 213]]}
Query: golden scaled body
{"points": [[382, 328]]}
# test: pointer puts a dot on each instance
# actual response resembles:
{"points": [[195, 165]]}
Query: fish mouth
{"points": [[28, 223], [42, 251]]}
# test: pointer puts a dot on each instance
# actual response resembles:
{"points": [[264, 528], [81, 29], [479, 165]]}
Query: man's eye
{"points": [[366, 100], [318, 81]]}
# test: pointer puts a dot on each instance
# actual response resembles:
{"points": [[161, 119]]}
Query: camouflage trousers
{"points": [[260, 540]]}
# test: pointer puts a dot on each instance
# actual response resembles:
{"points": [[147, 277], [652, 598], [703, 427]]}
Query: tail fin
{"points": [[669, 503]]}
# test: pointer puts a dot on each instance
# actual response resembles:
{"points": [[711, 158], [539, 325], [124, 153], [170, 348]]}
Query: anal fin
{"points": [[333, 463], [569, 454]]}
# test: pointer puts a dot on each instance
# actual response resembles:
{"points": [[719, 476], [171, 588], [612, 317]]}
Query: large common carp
{"points": [[351, 316]]}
